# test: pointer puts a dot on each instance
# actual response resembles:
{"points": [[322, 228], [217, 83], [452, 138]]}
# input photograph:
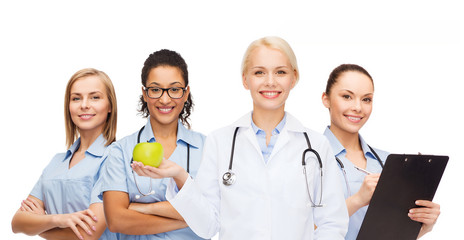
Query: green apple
{"points": [[148, 153]]}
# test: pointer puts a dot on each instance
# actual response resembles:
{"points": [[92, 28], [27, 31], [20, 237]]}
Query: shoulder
{"points": [[196, 138], [382, 154], [129, 139]]}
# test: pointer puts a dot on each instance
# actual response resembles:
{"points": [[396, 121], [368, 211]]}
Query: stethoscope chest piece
{"points": [[228, 178]]}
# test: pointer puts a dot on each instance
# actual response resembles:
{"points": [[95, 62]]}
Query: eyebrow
{"points": [[157, 84], [259, 67], [77, 93], [354, 93]]}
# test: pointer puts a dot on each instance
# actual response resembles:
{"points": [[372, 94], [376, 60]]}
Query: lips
{"points": [[86, 116], [270, 94], [354, 119]]}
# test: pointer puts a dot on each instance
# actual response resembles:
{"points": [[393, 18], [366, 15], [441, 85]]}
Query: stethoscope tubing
{"points": [[228, 178]]}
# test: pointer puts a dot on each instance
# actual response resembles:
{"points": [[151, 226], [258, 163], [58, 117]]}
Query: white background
{"points": [[412, 49]]}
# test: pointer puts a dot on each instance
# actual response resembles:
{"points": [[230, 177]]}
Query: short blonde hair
{"points": [[274, 43], [109, 130]]}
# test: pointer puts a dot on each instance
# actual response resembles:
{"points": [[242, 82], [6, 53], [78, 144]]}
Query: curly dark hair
{"points": [[166, 57]]}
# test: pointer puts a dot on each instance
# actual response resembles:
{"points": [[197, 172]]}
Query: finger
{"points": [[35, 202], [426, 203], [83, 222], [422, 218], [87, 218], [425, 210], [91, 214], [26, 206], [74, 229]]}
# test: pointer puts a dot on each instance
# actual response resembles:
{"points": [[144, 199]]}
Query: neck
{"points": [[164, 131], [87, 138], [350, 141], [267, 119]]}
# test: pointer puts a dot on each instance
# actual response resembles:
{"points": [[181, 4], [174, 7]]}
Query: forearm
{"points": [[62, 234], [134, 223], [95, 230], [181, 178], [30, 223], [353, 205], [124, 220], [162, 209]]}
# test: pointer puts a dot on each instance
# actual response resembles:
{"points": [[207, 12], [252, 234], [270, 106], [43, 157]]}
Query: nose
{"points": [[85, 103], [357, 105], [271, 80], [165, 99]]}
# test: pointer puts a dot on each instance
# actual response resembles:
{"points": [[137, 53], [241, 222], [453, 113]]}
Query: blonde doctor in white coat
{"points": [[270, 198]]}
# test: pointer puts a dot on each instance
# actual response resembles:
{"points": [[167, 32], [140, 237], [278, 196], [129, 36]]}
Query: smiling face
{"points": [[165, 110], [89, 105], [269, 77], [349, 102]]}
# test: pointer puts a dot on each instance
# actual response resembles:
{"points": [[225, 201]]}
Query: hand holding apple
{"points": [[150, 154]]}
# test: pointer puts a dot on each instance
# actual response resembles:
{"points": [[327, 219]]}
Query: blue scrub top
{"points": [[64, 190], [355, 177], [117, 173]]}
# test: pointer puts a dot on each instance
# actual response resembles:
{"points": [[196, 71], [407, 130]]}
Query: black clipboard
{"points": [[405, 178]]}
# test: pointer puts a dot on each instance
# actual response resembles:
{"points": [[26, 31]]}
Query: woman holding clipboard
{"points": [[349, 97]]}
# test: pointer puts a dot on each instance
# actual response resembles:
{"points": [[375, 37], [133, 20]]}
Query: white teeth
{"points": [[165, 109], [270, 94], [354, 118]]}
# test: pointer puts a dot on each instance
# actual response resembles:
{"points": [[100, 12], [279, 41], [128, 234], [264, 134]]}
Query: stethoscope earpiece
{"points": [[228, 178]]}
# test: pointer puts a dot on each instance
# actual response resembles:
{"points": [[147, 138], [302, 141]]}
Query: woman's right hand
{"points": [[85, 219], [166, 169], [364, 194], [32, 205]]}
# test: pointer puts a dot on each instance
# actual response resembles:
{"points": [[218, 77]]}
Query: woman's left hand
{"points": [[427, 214]]}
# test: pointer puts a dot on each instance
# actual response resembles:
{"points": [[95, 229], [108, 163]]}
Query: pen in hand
{"points": [[362, 170]]}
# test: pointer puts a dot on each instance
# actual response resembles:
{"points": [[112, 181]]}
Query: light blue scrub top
{"points": [[266, 150], [64, 190], [117, 173], [355, 177]]}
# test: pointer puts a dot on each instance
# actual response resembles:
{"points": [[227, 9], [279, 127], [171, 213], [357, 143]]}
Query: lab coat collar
{"points": [[183, 134]]}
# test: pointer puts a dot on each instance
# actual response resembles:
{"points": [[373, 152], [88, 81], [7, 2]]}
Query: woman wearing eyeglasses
{"points": [[135, 206], [349, 97], [263, 191], [64, 202]]}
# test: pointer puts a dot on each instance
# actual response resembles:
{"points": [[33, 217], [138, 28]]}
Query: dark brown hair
{"points": [[338, 71]]}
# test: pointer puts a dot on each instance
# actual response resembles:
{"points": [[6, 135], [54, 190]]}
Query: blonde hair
{"points": [[274, 43], [109, 130]]}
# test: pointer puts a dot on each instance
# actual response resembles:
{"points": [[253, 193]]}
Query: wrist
{"points": [[356, 201], [180, 178]]}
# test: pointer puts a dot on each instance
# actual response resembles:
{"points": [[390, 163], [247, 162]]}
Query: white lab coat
{"points": [[267, 201]]}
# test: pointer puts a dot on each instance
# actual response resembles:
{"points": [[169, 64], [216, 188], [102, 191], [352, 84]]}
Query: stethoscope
{"points": [[151, 191], [229, 177], [342, 167]]}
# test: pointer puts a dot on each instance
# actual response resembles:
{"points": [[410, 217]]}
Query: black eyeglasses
{"points": [[156, 92]]}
